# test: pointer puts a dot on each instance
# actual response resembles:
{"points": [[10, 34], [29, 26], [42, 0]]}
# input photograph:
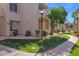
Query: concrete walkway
{"points": [[63, 49], [6, 51], [18, 37], [3, 37]]}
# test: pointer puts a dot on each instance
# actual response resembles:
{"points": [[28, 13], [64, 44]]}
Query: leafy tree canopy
{"points": [[74, 14], [57, 15]]}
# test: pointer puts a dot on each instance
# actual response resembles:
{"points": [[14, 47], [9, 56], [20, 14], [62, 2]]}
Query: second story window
{"points": [[13, 7]]}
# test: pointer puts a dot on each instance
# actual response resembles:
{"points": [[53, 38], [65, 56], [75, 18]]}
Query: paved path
{"points": [[18, 37], [63, 49], [6, 51], [3, 37]]}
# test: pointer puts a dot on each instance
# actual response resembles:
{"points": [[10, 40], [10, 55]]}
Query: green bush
{"points": [[15, 32], [66, 32], [69, 32], [28, 33], [44, 33], [37, 32], [77, 34]]}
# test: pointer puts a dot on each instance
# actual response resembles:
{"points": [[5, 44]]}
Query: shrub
{"points": [[76, 33], [49, 31], [37, 32], [15, 32], [66, 32], [69, 32], [44, 33], [28, 33]]}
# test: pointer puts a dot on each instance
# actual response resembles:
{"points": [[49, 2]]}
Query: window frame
{"points": [[11, 24], [13, 7]]}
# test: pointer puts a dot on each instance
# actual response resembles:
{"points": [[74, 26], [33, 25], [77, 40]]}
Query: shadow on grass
{"points": [[51, 43], [75, 49], [21, 44], [28, 44]]}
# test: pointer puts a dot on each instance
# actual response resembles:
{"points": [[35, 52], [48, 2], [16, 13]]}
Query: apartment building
{"points": [[22, 17], [76, 23], [64, 27]]}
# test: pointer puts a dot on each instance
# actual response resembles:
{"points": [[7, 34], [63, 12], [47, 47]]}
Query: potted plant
{"points": [[37, 32], [15, 32], [28, 33], [44, 33]]}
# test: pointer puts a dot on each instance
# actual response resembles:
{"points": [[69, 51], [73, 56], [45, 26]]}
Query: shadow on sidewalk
{"points": [[62, 50]]}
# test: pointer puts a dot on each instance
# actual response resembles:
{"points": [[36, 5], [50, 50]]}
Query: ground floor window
{"points": [[14, 26]]}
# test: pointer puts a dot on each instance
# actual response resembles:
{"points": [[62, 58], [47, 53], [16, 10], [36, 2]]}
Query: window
{"points": [[14, 25], [10, 6], [13, 7]]}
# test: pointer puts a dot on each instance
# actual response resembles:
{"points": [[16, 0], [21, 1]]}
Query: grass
{"points": [[76, 33], [69, 32], [75, 49], [33, 46]]}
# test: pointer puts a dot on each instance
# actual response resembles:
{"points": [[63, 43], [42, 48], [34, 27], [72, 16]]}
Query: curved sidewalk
{"points": [[63, 49], [7, 51]]}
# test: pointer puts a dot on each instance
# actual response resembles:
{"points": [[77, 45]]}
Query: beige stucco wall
{"points": [[8, 16], [28, 14], [4, 7], [2, 26]]}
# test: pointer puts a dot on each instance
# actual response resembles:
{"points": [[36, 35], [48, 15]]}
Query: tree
{"points": [[74, 15], [57, 16], [62, 17], [62, 21], [51, 22]]}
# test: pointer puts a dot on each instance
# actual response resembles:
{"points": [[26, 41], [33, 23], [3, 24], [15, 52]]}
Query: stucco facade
{"points": [[27, 17], [76, 23]]}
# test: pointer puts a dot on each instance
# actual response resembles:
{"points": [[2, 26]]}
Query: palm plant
{"points": [[74, 15]]}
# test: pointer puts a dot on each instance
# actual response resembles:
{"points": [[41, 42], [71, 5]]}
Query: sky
{"points": [[69, 7]]}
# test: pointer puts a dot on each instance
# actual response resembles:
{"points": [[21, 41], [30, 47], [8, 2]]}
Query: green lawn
{"points": [[69, 32], [75, 49], [33, 46]]}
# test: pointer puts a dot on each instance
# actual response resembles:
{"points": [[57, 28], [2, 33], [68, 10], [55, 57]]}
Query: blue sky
{"points": [[69, 7]]}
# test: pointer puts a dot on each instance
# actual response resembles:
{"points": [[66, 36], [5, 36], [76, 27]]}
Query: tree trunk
{"points": [[56, 28], [74, 26], [77, 25], [52, 27], [62, 27]]}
